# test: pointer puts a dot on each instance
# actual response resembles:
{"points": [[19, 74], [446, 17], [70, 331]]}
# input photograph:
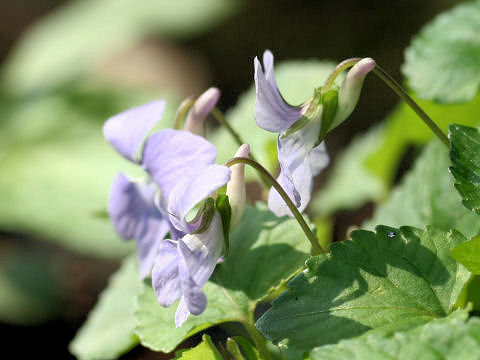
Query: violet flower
{"points": [[138, 208], [183, 266], [301, 150]]}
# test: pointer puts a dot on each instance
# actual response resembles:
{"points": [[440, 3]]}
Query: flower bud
{"points": [[199, 111], [236, 191], [350, 90]]}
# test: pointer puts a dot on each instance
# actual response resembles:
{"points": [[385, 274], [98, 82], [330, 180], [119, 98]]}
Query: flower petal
{"points": [[199, 111], [299, 163], [165, 273], [193, 296], [169, 155], [272, 113], [181, 315], [350, 90], [127, 130], [134, 215], [202, 251], [190, 190]]}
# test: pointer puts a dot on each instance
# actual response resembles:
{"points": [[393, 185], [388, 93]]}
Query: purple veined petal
{"points": [[181, 315], [299, 162], [169, 155], [161, 205], [193, 189], [201, 252], [134, 215], [272, 113], [165, 274], [193, 295], [127, 130]]}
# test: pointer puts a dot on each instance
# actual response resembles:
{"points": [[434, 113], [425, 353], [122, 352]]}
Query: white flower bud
{"points": [[350, 90], [199, 111], [236, 191]]}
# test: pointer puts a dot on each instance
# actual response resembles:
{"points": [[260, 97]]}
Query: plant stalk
{"points": [[316, 247]]}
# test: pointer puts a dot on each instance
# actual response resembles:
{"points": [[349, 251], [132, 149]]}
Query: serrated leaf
{"points": [[465, 156], [53, 51], [468, 254], [264, 250], [206, 350], [57, 167], [390, 280], [426, 196], [296, 81], [109, 329], [441, 64], [447, 339]]}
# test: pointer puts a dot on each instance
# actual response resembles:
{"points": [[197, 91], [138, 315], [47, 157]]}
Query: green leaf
{"points": [[44, 59], [241, 349], [264, 250], [109, 329], [447, 339], [465, 156], [426, 196], [57, 167], [351, 183], [468, 254], [390, 280], [296, 81], [441, 63], [206, 350]]}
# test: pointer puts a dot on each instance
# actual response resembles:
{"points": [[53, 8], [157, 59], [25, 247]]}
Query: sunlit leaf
{"points": [[205, 350], [449, 339], [390, 280]]}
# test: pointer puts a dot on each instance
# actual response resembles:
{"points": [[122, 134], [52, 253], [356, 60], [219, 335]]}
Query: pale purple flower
{"points": [[183, 266], [138, 208], [300, 154]]}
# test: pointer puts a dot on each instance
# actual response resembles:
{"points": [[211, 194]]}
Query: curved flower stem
{"points": [[258, 339], [316, 247], [396, 87], [344, 65]]}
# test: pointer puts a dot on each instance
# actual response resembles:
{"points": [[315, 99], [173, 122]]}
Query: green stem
{"points": [[258, 339], [395, 86], [316, 247], [218, 115], [182, 111], [344, 65]]}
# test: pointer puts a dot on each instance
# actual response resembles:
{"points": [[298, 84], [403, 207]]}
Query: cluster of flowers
{"points": [[175, 213]]}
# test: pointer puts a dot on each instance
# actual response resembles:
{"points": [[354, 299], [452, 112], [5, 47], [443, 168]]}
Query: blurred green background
{"points": [[66, 66]]}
